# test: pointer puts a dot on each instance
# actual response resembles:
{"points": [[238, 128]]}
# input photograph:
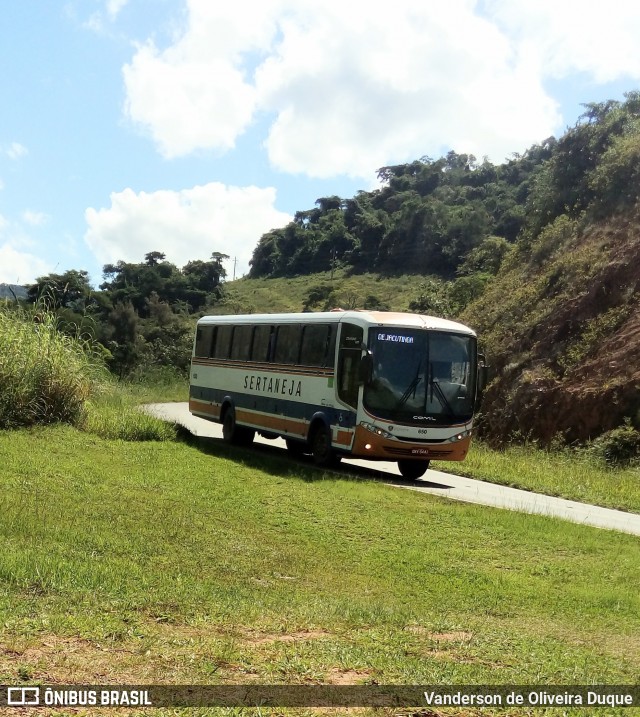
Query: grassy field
{"points": [[289, 294], [170, 562]]}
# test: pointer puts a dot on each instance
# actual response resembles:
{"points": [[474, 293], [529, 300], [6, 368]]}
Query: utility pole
{"points": [[235, 261], [333, 260]]}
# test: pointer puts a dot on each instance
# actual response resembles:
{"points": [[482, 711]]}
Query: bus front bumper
{"points": [[368, 444]]}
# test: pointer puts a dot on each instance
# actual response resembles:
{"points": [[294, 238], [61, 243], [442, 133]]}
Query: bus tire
{"points": [[232, 432], [321, 450], [412, 470]]}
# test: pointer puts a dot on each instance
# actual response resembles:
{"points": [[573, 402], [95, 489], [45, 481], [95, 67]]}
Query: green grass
{"points": [[156, 385], [116, 414], [193, 563], [569, 474], [289, 294]]}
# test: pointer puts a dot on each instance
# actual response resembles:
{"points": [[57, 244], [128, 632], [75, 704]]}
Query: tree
{"points": [[70, 290], [205, 275], [123, 339], [134, 283], [153, 258]]}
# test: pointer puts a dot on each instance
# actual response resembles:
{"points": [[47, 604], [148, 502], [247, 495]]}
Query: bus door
{"points": [[348, 385]]}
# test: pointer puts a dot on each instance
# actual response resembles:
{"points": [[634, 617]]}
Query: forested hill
{"points": [[426, 218], [443, 217], [541, 255], [561, 320]]}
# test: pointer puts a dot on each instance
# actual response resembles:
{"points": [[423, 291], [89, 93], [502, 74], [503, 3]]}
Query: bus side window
{"points": [[204, 336], [288, 344], [315, 344], [261, 343], [222, 343], [351, 337], [241, 343]]}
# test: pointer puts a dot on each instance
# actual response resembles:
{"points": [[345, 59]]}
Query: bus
{"points": [[368, 384]]}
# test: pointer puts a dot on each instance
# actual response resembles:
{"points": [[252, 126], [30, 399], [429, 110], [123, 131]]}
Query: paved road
{"points": [[438, 483]]}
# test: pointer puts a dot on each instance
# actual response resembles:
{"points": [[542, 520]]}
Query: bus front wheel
{"points": [[321, 450], [412, 470], [232, 432]]}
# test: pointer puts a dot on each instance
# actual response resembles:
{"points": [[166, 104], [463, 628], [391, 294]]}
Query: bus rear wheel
{"points": [[321, 450], [412, 470], [232, 432]]}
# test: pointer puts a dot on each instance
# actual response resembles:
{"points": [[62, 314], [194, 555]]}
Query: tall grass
{"points": [[115, 414], [156, 384], [45, 375]]}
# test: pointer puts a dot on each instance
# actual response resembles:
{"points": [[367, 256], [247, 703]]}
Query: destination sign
{"points": [[396, 338]]}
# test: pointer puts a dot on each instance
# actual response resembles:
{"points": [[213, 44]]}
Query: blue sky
{"points": [[194, 126]]}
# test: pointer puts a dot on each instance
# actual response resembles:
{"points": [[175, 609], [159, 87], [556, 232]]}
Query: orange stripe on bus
{"points": [[205, 407], [286, 426], [257, 419]]}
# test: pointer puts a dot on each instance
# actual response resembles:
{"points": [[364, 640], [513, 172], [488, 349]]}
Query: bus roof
{"points": [[371, 318]]}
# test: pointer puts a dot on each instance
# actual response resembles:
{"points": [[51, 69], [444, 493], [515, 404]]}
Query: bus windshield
{"points": [[421, 376]]}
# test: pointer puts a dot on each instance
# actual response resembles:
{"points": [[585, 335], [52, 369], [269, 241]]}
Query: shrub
{"points": [[45, 375], [620, 446]]}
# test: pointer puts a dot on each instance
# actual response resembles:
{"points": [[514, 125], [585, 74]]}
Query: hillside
{"points": [[540, 255], [561, 323], [320, 292], [424, 219]]}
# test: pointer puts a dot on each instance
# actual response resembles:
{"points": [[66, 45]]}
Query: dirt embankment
{"points": [[571, 366]]}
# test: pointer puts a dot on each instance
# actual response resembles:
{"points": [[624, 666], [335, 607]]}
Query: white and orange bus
{"points": [[370, 384]]}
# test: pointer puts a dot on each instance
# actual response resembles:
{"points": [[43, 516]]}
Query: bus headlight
{"points": [[375, 429], [460, 436]]}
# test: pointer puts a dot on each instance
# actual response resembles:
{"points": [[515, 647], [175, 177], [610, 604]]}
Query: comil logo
{"points": [[23, 696]]}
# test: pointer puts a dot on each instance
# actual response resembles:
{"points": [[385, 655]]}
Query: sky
{"points": [[195, 126]]}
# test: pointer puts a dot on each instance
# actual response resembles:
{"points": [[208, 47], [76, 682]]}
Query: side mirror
{"points": [[483, 373]]}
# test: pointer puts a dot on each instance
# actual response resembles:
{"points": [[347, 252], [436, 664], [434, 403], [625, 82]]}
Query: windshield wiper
{"points": [[411, 388], [440, 395]]}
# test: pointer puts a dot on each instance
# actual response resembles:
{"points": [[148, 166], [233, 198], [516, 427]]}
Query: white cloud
{"points": [[16, 150], [185, 225], [403, 85], [187, 103], [347, 86], [34, 219], [196, 94], [114, 7], [599, 39], [101, 20], [18, 267], [350, 86], [21, 261]]}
